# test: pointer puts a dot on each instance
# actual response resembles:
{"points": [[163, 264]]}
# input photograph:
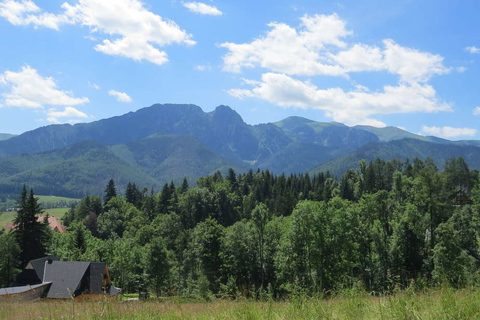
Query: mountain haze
{"points": [[168, 142], [6, 136]]}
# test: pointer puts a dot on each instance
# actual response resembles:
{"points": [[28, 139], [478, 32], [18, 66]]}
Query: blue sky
{"points": [[410, 64]]}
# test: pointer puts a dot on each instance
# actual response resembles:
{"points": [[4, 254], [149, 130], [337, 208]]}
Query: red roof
{"points": [[52, 222]]}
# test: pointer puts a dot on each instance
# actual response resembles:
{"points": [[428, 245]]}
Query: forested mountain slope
{"points": [[169, 142], [402, 150]]}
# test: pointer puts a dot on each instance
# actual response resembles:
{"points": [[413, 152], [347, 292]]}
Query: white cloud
{"points": [[134, 48], [315, 49], [354, 107], [68, 112], [28, 89], [449, 132], [461, 69], [53, 115], [27, 12], [473, 49], [360, 58], [202, 8], [412, 65], [319, 48], [476, 111], [93, 85], [121, 96], [289, 50], [203, 67], [130, 30]]}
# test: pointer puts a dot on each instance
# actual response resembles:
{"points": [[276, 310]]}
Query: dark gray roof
{"points": [[66, 277], [39, 265]]}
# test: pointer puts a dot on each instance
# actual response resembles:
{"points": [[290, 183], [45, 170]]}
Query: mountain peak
{"points": [[224, 113]]}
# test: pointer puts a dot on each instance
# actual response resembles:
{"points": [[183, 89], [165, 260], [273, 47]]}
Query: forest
{"points": [[380, 228]]}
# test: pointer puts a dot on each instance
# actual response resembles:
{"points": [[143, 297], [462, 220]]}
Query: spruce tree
{"points": [[31, 235], [110, 192]]}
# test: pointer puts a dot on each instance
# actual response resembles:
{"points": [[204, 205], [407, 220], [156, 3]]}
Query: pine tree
{"points": [[31, 234], [185, 186], [110, 192]]}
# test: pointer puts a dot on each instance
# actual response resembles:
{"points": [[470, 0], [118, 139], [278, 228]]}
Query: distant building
{"points": [[53, 222], [61, 280]]}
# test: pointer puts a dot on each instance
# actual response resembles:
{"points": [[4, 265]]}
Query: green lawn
{"points": [[6, 217], [57, 206]]}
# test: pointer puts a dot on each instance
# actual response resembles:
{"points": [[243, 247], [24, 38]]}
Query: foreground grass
{"points": [[434, 304]]}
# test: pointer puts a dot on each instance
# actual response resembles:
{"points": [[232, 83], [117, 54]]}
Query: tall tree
{"points": [[9, 250], [157, 265], [110, 192], [260, 218], [31, 234]]}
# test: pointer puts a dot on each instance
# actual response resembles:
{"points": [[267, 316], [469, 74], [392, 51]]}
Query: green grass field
{"points": [[6, 217], [435, 305]]}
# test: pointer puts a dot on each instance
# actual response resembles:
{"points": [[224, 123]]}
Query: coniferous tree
{"points": [[110, 192], [184, 186], [133, 195], [31, 234]]}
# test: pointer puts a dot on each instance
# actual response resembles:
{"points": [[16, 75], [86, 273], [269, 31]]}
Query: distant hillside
{"points": [[5, 136], [394, 133], [86, 167], [168, 142], [402, 150]]}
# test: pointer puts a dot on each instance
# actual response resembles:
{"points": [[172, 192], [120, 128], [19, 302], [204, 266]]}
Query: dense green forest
{"points": [[382, 227]]}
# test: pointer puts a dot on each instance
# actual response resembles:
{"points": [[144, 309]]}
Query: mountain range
{"points": [[167, 142]]}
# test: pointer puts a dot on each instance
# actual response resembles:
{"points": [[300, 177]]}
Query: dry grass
{"points": [[435, 305]]}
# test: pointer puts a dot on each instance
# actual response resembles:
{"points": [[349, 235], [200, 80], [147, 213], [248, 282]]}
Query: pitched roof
{"points": [[66, 277], [39, 265], [53, 222]]}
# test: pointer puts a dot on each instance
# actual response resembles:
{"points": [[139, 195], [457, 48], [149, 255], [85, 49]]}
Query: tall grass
{"points": [[436, 304]]}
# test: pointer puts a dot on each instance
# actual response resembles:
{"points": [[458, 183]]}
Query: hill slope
{"points": [[168, 142], [86, 167], [402, 150], [6, 136]]}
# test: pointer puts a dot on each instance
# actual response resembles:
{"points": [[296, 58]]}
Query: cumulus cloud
{"points": [[352, 107], [289, 50], [121, 96], [28, 89], [202, 8], [476, 111], [473, 49], [53, 114], [449, 132], [128, 28], [27, 12], [412, 65], [319, 47]]}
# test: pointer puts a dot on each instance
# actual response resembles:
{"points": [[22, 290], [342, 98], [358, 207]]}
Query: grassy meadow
{"points": [[433, 304], [56, 207]]}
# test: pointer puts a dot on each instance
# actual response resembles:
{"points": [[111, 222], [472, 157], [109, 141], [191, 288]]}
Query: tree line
{"points": [[381, 227]]}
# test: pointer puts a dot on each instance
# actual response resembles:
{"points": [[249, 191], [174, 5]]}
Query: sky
{"points": [[412, 64]]}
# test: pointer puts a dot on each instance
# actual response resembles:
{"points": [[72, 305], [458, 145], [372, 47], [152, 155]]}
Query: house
{"points": [[53, 222], [66, 279]]}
